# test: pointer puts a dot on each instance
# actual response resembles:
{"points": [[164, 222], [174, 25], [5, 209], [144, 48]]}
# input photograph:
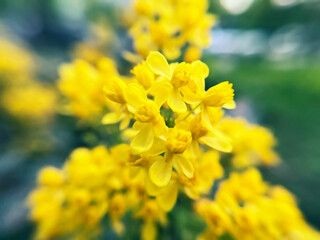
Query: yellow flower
{"points": [[143, 75], [178, 141], [192, 54], [258, 211], [206, 170], [217, 96], [151, 213], [80, 82], [149, 123], [85, 183], [114, 90], [217, 219], [167, 26], [212, 138], [246, 218], [252, 144], [175, 77], [14, 59], [51, 177], [174, 146], [117, 209], [31, 101]]}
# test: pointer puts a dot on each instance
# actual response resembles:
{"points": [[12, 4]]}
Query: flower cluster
{"points": [[14, 60], [170, 25], [91, 184], [31, 100], [245, 207], [22, 96], [176, 133], [173, 116], [252, 144], [170, 118], [82, 84]]}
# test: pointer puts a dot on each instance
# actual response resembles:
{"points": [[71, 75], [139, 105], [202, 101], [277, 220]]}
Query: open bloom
{"points": [[218, 96], [174, 148], [173, 78], [213, 138], [149, 123]]}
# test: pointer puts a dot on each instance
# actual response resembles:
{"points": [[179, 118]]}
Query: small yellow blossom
{"points": [[174, 146], [252, 144], [175, 77], [32, 101], [143, 75], [82, 83], [51, 176], [149, 123], [14, 59], [259, 211], [167, 26]]}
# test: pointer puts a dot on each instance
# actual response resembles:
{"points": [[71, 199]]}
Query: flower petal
{"points": [[218, 142], [135, 95], [199, 72], [194, 148], [125, 122], [171, 51], [161, 91], [189, 96], [111, 118], [205, 118], [176, 102], [158, 64], [160, 172], [151, 188], [230, 105], [183, 164], [149, 231], [167, 199], [157, 148], [143, 141]]}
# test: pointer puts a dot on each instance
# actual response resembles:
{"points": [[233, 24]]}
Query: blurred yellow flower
{"points": [[82, 83], [167, 26], [253, 144], [31, 101], [254, 210], [14, 60]]}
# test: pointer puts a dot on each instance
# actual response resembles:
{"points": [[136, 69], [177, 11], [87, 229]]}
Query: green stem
{"points": [[191, 111]]}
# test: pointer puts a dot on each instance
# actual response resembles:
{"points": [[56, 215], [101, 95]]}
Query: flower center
{"points": [[181, 75], [178, 140], [147, 112]]}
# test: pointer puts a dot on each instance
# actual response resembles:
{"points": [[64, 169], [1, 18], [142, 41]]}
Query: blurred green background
{"points": [[269, 50]]}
